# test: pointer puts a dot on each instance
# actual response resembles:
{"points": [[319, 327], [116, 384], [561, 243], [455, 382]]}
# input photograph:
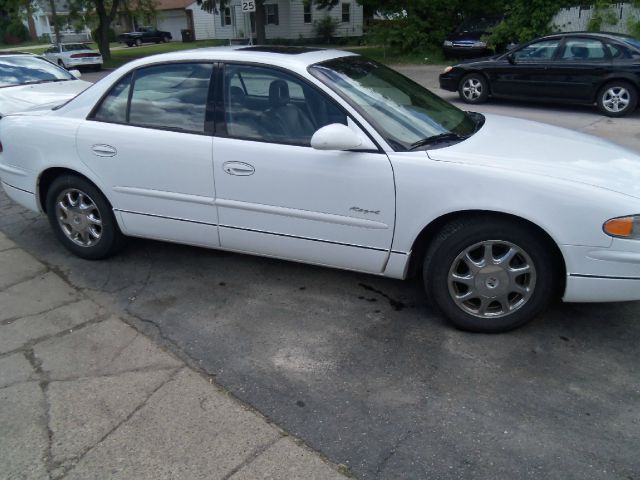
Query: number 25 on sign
{"points": [[248, 5]]}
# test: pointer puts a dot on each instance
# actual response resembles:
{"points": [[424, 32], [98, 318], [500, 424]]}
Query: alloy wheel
{"points": [[472, 89], [616, 99], [492, 279], [79, 217]]}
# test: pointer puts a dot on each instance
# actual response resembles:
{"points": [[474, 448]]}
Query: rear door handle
{"points": [[238, 168], [104, 150]]}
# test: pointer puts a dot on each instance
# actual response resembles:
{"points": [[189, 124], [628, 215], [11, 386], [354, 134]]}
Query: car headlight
{"points": [[447, 69], [448, 43], [623, 227]]}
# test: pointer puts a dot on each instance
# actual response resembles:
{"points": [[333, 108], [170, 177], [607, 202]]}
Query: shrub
{"points": [[15, 32], [96, 36], [326, 28]]}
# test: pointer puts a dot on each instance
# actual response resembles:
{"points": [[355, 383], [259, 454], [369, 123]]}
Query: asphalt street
{"points": [[363, 370]]}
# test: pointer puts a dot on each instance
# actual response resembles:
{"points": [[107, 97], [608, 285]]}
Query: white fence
{"points": [[576, 19]]}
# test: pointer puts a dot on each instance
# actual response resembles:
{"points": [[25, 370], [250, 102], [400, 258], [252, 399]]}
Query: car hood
{"points": [[545, 150], [466, 35], [28, 97]]}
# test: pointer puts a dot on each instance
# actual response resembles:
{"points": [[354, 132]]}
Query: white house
{"points": [[286, 19], [576, 18]]}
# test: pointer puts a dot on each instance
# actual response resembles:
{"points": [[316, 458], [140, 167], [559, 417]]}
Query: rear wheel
{"points": [[617, 99], [474, 88], [490, 275], [82, 218]]}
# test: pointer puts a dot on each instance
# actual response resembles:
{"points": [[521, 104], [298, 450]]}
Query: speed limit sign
{"points": [[248, 5]]}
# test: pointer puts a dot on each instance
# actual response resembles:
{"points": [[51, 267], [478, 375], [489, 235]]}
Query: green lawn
{"points": [[125, 54], [121, 54]]}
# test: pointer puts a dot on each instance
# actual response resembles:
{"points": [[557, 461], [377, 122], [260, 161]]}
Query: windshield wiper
{"points": [[35, 82], [442, 137]]}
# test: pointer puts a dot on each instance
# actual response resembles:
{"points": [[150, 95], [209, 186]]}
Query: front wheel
{"points": [[138, 42], [617, 99], [61, 64], [490, 275], [82, 218], [474, 88]]}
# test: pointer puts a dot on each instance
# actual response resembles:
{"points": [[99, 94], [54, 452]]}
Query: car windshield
{"points": [[632, 41], [25, 70], [72, 47], [402, 111]]}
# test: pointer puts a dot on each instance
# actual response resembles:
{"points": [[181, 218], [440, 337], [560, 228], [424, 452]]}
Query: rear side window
{"points": [[114, 106], [583, 49], [622, 52], [171, 96]]}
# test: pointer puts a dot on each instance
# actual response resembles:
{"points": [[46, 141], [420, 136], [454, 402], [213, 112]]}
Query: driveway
{"points": [[363, 369]]}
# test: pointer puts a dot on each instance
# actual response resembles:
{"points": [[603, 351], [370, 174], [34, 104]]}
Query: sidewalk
{"points": [[85, 396]]}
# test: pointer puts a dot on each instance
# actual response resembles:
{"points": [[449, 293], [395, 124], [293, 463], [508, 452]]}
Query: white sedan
{"points": [[326, 157], [29, 82], [74, 55]]}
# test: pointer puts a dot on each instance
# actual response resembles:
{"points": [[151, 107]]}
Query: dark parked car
{"points": [[144, 35], [468, 39], [580, 67]]}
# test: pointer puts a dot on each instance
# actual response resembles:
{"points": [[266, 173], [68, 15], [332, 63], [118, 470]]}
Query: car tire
{"points": [[165, 39], [61, 64], [474, 88], [617, 99], [489, 274], [129, 44], [138, 42], [82, 218]]}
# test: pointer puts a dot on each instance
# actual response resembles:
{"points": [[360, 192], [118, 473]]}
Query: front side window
{"points": [[583, 49], [346, 12], [271, 13], [171, 96], [402, 111], [270, 105], [543, 50]]}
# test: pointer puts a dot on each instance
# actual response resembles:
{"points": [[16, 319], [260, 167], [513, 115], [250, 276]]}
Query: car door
{"points": [[583, 63], [149, 142], [527, 74], [279, 197]]}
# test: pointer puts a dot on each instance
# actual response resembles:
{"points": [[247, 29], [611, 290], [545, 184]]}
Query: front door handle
{"points": [[104, 150], [238, 168]]}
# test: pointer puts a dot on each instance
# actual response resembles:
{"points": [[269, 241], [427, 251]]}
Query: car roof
{"points": [[609, 35], [274, 55], [8, 54]]}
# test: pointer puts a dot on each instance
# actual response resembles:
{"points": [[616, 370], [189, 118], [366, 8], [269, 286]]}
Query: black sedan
{"points": [[584, 68], [144, 35]]}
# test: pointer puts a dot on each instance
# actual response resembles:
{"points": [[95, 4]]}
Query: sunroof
{"points": [[281, 49]]}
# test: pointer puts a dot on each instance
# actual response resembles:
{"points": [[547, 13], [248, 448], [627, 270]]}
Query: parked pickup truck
{"points": [[144, 35]]}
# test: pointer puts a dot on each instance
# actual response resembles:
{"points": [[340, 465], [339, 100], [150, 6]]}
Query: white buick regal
{"points": [[325, 157]]}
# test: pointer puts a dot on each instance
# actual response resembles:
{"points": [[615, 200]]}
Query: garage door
{"points": [[173, 22]]}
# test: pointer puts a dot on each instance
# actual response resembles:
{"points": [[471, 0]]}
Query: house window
{"points": [[307, 12], [225, 17], [346, 13], [271, 12]]}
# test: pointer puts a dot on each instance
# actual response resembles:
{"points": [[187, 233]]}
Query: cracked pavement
{"points": [[84, 395]]}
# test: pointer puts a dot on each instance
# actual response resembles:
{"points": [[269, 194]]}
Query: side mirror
{"points": [[511, 58], [336, 137], [76, 73]]}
